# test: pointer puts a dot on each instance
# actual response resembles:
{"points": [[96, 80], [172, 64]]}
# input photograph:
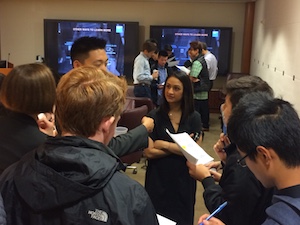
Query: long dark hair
{"points": [[187, 102]]}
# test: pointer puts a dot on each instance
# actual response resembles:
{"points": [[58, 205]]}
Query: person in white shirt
{"points": [[212, 64], [142, 76]]}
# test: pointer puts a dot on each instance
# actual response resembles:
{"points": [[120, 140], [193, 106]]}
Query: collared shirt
{"points": [[212, 65], [293, 191], [141, 70]]}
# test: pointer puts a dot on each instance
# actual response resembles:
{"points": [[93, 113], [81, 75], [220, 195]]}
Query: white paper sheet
{"points": [[190, 149], [184, 69], [164, 221]]}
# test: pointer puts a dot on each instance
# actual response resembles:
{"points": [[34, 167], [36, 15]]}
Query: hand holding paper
{"points": [[173, 63], [184, 69], [190, 149]]}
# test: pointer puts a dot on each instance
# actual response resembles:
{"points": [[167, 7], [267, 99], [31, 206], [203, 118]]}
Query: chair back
{"points": [[131, 118], [130, 92], [140, 101]]}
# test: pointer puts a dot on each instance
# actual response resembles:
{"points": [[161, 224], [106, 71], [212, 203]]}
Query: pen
{"points": [[215, 212]]}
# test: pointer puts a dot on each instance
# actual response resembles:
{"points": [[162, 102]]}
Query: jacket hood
{"points": [[64, 171]]}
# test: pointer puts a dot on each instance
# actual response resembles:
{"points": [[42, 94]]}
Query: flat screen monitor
{"points": [[218, 40], [122, 43]]}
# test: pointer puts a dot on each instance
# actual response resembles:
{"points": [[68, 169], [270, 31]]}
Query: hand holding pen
{"points": [[214, 220]]}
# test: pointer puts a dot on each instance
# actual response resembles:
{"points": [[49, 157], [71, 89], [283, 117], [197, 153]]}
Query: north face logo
{"points": [[99, 215]]}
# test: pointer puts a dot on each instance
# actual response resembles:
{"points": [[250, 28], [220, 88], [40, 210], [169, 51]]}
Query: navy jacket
{"points": [[285, 209]]}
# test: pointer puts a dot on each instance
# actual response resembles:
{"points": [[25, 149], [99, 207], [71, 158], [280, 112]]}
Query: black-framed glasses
{"points": [[242, 161]]}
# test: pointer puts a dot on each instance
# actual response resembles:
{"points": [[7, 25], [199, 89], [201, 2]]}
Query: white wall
{"points": [[21, 22], [275, 39], [276, 48]]}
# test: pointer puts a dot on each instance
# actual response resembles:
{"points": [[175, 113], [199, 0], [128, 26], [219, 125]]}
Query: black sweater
{"points": [[247, 198]]}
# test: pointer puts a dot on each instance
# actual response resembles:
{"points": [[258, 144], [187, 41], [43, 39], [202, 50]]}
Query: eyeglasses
{"points": [[242, 161]]}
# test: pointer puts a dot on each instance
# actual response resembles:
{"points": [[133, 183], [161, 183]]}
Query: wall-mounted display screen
{"points": [[218, 40], [122, 43]]}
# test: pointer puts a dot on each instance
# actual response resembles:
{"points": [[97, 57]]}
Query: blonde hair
{"points": [[85, 96], [29, 89]]}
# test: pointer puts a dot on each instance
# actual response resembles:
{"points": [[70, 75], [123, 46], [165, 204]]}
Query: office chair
{"points": [[131, 118]]}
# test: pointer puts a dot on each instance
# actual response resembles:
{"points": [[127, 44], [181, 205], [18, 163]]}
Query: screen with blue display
{"points": [[217, 39]]}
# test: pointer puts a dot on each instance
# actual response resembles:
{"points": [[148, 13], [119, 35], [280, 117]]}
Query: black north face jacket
{"points": [[73, 180]]}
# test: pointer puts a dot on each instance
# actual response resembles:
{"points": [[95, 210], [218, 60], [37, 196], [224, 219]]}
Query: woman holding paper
{"points": [[168, 182]]}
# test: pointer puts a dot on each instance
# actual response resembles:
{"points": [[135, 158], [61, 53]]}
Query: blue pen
{"points": [[215, 212]]}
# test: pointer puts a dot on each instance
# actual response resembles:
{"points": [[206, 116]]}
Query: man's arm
{"points": [[195, 71], [212, 192], [133, 140], [238, 186]]}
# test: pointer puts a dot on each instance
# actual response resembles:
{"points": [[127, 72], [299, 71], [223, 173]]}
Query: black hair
{"points": [[162, 53], [82, 46], [187, 102], [237, 88], [261, 120], [168, 47]]}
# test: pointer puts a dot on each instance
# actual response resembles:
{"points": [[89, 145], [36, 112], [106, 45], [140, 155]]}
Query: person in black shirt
{"points": [[266, 131], [246, 196]]}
